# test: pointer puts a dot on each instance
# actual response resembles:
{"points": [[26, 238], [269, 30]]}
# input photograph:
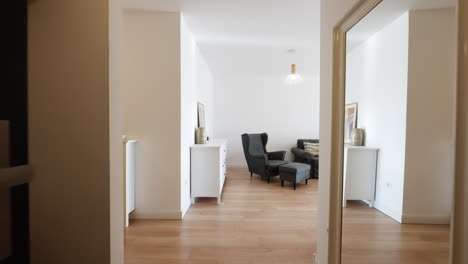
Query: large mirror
{"points": [[398, 163]]}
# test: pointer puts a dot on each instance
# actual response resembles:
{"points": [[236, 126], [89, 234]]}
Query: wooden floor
{"points": [[369, 236], [264, 223], [256, 223]]}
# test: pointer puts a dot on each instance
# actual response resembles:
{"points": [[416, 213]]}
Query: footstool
{"points": [[294, 172]]}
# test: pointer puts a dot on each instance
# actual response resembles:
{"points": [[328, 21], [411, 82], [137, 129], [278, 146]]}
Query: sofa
{"points": [[302, 156]]}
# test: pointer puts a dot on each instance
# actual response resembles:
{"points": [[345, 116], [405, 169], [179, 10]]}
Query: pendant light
{"points": [[294, 77]]}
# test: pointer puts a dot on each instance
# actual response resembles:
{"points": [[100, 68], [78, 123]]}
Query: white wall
{"points": [[377, 78], [251, 97], [196, 86], [431, 117], [165, 77], [404, 80], [187, 110], [152, 85], [204, 90]]}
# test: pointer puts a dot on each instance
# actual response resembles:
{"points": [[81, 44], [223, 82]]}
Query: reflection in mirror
{"points": [[398, 159]]}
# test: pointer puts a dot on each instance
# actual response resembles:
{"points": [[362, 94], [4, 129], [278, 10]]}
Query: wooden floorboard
{"points": [[370, 236], [264, 223], [257, 222]]}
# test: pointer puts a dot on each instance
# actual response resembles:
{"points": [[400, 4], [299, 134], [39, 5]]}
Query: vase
{"points": [[200, 135], [357, 137]]}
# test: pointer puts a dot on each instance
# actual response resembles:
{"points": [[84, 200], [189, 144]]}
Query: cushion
{"points": [[276, 163], [312, 148], [295, 168]]}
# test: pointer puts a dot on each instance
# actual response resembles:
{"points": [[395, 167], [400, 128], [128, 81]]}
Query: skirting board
{"points": [[237, 166], [426, 219], [156, 215], [186, 207], [388, 211]]}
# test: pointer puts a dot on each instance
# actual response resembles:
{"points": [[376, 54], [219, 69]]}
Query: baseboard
{"points": [[186, 207], [425, 219], [388, 211], [157, 215], [237, 166]]}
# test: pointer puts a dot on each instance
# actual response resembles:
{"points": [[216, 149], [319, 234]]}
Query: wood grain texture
{"points": [[256, 223], [264, 223], [370, 236]]}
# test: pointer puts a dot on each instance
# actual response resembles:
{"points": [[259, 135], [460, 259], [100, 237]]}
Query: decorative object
{"points": [[312, 148], [357, 137], [302, 156], [294, 77], [201, 115], [350, 122], [200, 135]]}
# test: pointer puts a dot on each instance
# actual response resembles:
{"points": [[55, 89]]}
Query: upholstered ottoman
{"points": [[294, 172]]}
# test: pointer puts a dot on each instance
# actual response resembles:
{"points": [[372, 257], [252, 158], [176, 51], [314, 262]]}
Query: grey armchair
{"points": [[302, 156], [260, 161]]}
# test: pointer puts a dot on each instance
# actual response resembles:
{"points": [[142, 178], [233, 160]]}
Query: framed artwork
{"points": [[351, 111], [201, 115]]}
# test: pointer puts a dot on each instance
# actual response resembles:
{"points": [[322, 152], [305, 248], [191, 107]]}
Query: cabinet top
{"points": [[214, 143], [360, 147]]}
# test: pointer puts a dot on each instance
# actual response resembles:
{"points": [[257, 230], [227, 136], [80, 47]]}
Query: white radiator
{"points": [[129, 179]]}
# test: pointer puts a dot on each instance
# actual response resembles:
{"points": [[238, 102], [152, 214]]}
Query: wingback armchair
{"points": [[259, 160], [302, 156]]}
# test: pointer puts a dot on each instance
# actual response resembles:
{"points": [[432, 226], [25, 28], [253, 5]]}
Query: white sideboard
{"points": [[359, 174], [208, 169]]}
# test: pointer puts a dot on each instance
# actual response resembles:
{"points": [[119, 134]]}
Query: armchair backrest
{"points": [[254, 144], [300, 142]]}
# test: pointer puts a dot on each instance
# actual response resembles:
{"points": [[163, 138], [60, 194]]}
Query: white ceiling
{"points": [[244, 37], [251, 36], [258, 22], [387, 12]]}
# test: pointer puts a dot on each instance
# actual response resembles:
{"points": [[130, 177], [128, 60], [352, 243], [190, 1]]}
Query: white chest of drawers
{"points": [[208, 169], [359, 174]]}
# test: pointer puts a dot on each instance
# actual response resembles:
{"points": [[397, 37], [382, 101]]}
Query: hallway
{"points": [[257, 223]]}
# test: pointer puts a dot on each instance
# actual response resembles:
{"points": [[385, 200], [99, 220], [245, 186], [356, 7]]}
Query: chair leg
{"points": [[306, 181], [268, 179], [251, 175], [282, 183], [294, 186]]}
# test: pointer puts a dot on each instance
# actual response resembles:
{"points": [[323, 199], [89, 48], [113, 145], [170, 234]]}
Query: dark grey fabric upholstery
{"points": [[302, 156], [295, 167], [294, 172], [260, 161]]}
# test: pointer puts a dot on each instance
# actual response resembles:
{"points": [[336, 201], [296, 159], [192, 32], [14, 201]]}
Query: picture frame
{"points": [[201, 115], [350, 120]]}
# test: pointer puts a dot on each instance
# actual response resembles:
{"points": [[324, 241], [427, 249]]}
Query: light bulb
{"points": [[293, 78]]}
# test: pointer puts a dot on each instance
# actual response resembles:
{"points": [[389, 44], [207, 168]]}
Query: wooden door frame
{"points": [[356, 14]]}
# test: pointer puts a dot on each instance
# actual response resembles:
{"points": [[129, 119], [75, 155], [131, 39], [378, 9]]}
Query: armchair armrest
{"points": [[302, 154], [259, 157], [276, 155]]}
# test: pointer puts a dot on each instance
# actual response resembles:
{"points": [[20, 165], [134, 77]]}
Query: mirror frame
{"points": [[356, 14]]}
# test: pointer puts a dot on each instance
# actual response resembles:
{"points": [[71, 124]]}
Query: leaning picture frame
{"points": [[350, 121], [201, 115]]}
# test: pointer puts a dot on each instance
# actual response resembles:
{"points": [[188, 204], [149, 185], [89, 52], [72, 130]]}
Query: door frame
{"points": [[356, 14]]}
